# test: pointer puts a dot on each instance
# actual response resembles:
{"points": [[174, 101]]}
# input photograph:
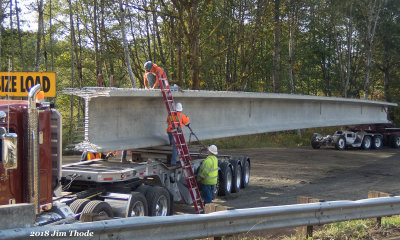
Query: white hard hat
{"points": [[179, 107], [213, 149]]}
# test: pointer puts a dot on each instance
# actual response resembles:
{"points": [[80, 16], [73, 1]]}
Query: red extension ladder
{"points": [[181, 146]]}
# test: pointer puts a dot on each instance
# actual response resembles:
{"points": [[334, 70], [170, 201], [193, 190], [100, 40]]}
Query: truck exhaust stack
{"points": [[33, 149]]}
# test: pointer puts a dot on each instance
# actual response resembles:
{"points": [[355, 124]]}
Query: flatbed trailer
{"points": [[147, 186]]}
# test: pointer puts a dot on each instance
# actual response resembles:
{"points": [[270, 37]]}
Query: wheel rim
{"points": [[238, 177], [397, 141], [378, 142], [216, 189], [229, 180], [161, 206], [137, 209], [341, 143], [247, 174]]}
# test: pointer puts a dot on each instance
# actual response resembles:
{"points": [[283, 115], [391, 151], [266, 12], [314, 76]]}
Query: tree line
{"points": [[344, 48]]}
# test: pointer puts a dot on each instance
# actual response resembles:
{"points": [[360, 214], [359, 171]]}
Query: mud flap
{"points": [[184, 192], [174, 191]]}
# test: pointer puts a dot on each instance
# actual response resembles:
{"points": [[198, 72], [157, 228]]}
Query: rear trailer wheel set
{"points": [[361, 137]]}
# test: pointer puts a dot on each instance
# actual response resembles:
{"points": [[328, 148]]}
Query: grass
{"points": [[358, 229], [366, 229]]}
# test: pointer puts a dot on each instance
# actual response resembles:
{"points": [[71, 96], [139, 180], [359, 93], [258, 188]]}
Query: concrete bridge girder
{"points": [[132, 118]]}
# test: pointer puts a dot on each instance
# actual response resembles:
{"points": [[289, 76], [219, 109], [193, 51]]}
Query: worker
{"points": [[207, 176], [180, 119], [40, 97], [152, 75], [91, 155]]}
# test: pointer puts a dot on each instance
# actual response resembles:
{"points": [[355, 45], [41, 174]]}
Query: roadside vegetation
{"points": [[364, 229], [295, 138]]}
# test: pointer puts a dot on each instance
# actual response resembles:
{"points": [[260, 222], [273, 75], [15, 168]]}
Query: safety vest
{"points": [[180, 118], [158, 72], [209, 170], [91, 156]]}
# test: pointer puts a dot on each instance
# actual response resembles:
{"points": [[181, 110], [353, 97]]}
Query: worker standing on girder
{"points": [[92, 155], [180, 119], [152, 75], [207, 176]]}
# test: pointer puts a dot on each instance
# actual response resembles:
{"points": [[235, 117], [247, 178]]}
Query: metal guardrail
{"points": [[191, 226]]}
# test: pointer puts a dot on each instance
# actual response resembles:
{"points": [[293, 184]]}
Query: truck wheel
{"points": [[143, 189], [341, 143], [237, 176], [314, 143], [216, 189], [395, 141], [377, 142], [366, 143], [245, 173], [225, 179], [96, 211], [158, 200], [78, 205], [137, 206]]}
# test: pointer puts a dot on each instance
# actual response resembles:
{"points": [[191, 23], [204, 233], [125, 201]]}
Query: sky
{"points": [[27, 16]]}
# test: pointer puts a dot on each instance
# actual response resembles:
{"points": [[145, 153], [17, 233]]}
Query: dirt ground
{"points": [[279, 175]]}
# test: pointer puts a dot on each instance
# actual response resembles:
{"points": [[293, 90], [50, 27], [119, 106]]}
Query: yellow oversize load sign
{"points": [[17, 84]]}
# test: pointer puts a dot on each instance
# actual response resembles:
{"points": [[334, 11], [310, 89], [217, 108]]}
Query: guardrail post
{"points": [[304, 232], [213, 207], [377, 194]]}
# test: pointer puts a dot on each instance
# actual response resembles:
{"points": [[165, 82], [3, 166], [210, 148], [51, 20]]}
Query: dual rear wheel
{"points": [[145, 201], [233, 176]]}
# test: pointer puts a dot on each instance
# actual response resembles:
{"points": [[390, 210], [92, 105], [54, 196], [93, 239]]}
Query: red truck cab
{"points": [[16, 180]]}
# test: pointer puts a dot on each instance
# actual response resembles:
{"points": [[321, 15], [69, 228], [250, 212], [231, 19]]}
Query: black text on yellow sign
{"points": [[17, 84]]}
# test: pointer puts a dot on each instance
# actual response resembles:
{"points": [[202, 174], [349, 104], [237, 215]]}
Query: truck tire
{"points": [[366, 143], [225, 179], [143, 189], [78, 205], [158, 201], [314, 143], [245, 173], [237, 175], [395, 141], [341, 143], [137, 206], [96, 211], [377, 142]]}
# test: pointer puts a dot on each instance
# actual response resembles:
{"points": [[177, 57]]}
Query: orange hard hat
{"points": [[40, 95]]}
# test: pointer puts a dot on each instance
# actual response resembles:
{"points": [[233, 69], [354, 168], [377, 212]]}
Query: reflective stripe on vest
{"points": [[179, 120], [91, 156]]}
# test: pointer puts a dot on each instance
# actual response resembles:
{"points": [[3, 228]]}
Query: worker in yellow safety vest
{"points": [[207, 176]]}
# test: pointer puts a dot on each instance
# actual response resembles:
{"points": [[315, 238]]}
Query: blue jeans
{"points": [[207, 192], [174, 150]]}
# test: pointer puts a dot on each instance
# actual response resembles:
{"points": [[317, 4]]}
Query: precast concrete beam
{"points": [[119, 119]]}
